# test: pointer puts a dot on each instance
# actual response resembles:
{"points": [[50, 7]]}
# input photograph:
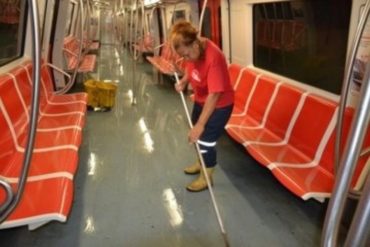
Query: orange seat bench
{"points": [[291, 131], [145, 44], [69, 113], [71, 47], [55, 154], [168, 62]]}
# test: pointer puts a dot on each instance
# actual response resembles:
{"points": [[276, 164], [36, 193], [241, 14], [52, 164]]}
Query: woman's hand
{"points": [[180, 86], [181, 83], [195, 133]]}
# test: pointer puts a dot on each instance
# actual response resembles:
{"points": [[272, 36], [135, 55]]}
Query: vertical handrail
{"points": [[347, 81], [202, 16], [229, 38], [336, 206], [80, 48], [135, 52], [360, 226], [348, 164], [36, 63], [88, 23], [130, 25]]}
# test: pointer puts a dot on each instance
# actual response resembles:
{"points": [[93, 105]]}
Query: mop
{"points": [[223, 232]]}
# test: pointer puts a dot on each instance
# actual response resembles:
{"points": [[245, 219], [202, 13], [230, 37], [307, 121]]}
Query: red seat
{"points": [[274, 127], [35, 210], [292, 132], [48, 106], [54, 160], [311, 131], [71, 48], [244, 87], [146, 44], [55, 150], [234, 73], [317, 179], [254, 102], [48, 90], [67, 112], [168, 62]]}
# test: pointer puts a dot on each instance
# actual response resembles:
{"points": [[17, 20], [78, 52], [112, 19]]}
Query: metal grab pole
{"points": [[360, 226], [336, 205], [224, 235], [202, 16], [346, 82], [348, 164]]}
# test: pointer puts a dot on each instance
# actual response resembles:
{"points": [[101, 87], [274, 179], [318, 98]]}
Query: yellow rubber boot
{"points": [[200, 183], [193, 169]]}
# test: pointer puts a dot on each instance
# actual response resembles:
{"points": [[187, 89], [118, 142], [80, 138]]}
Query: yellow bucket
{"points": [[92, 93], [107, 94]]}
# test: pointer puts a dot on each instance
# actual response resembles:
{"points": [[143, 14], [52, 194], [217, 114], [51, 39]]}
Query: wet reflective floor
{"points": [[130, 187]]}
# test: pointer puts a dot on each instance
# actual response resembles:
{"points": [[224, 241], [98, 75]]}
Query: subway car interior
{"points": [[94, 134]]}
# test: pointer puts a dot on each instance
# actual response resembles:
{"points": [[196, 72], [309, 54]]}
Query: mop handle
{"points": [[203, 165]]}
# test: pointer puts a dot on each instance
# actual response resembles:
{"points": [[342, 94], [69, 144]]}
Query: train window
{"points": [[12, 29], [178, 15], [303, 40]]}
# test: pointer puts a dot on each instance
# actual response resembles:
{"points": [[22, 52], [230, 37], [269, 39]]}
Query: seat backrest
{"points": [[7, 146], [166, 51], [314, 125], [234, 71], [261, 97], [243, 88], [13, 105], [283, 108], [14, 118], [327, 159], [45, 84]]}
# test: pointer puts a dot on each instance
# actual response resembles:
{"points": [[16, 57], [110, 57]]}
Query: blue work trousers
{"points": [[212, 131]]}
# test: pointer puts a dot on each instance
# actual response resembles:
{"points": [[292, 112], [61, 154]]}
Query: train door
{"points": [[211, 26], [173, 13], [65, 17]]}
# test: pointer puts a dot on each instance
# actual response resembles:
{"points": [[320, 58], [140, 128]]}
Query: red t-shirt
{"points": [[210, 75]]}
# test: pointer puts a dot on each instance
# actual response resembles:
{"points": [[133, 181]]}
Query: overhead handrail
{"points": [[347, 81], [36, 63], [348, 161], [70, 83]]}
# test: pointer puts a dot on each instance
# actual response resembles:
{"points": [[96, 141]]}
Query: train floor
{"points": [[130, 185]]}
